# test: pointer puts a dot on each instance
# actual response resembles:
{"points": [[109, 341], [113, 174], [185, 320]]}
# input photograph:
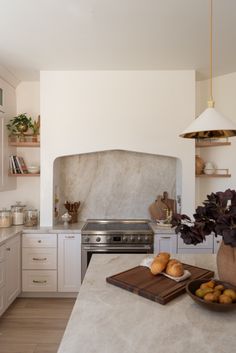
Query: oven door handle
{"points": [[107, 248]]}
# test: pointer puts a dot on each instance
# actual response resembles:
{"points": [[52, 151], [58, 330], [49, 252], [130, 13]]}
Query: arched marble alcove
{"points": [[115, 183]]}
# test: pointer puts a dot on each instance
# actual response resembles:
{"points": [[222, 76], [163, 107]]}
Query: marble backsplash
{"points": [[113, 184]]}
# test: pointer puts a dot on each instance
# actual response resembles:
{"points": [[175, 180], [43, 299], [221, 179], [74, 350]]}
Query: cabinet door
{"points": [[69, 262], [165, 242], [13, 270]]}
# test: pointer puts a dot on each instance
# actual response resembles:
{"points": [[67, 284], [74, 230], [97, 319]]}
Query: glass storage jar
{"points": [[18, 214], [5, 218], [31, 218]]}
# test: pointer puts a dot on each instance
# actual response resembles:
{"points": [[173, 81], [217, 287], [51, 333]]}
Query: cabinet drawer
{"points": [[39, 281], [195, 251], [2, 252], [2, 274], [39, 259], [39, 241], [2, 300]]}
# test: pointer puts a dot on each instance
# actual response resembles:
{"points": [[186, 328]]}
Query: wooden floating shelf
{"points": [[24, 175], [212, 144], [25, 144], [213, 176]]}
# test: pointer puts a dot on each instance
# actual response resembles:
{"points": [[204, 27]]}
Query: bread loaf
{"points": [[159, 263], [175, 269], [158, 266]]}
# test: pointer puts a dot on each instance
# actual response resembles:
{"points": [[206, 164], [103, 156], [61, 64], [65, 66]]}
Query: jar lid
{"points": [[18, 205]]}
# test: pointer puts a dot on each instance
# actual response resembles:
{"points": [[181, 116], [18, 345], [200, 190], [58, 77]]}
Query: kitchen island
{"points": [[107, 319]]}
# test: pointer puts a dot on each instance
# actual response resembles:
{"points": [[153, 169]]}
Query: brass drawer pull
{"points": [[37, 281], [70, 236], [39, 241], [8, 249], [39, 259]]}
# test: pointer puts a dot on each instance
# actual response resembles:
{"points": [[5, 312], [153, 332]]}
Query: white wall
{"points": [[224, 88], [143, 111], [27, 100]]}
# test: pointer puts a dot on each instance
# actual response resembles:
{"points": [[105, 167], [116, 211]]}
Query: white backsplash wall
{"points": [[114, 184]]}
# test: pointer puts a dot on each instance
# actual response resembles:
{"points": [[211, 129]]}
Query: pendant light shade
{"points": [[210, 124]]}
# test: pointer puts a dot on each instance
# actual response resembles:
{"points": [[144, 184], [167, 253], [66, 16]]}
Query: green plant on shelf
{"points": [[19, 125]]}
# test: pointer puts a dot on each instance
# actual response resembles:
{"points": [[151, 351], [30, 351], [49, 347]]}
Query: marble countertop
{"points": [[162, 229], [8, 233], [107, 319]]}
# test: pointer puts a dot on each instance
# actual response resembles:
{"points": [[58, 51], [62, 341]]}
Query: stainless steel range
{"points": [[115, 236]]}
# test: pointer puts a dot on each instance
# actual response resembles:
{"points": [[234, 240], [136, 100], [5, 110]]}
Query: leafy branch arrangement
{"points": [[217, 215]]}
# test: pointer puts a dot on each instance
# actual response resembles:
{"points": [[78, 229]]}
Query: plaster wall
{"points": [[139, 111]]}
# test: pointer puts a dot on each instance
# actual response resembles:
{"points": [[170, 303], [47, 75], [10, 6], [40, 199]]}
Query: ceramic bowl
{"points": [[192, 286], [33, 169]]}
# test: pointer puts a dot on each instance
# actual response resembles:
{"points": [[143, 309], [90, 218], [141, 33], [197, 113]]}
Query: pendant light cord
{"points": [[211, 101]]}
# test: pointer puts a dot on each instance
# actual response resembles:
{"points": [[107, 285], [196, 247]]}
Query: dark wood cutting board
{"points": [[160, 289]]}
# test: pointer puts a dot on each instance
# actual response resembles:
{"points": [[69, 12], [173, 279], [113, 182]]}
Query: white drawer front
{"points": [[39, 281], [2, 300], [39, 259], [2, 274], [2, 252], [39, 240]]}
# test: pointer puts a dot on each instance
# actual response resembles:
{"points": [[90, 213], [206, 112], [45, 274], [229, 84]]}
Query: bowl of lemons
{"points": [[212, 294]]}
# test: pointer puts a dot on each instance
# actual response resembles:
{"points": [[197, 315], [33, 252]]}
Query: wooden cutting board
{"points": [[160, 289]]}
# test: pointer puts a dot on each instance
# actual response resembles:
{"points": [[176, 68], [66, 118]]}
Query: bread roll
{"points": [[157, 266], [165, 256], [172, 262], [175, 269]]}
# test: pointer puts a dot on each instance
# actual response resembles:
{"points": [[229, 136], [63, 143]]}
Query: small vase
{"points": [[199, 165], [226, 263]]}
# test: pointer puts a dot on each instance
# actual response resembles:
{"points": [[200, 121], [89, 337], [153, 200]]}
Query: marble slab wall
{"points": [[113, 184]]}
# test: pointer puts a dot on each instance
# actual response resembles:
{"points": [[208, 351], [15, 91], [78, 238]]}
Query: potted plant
{"points": [[218, 216], [19, 125]]}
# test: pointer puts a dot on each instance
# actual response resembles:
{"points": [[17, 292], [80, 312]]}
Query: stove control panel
{"points": [[117, 239]]}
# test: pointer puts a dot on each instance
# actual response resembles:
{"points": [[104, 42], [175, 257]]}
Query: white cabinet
{"points": [[13, 269], [10, 278], [39, 263], [69, 262], [166, 242]]}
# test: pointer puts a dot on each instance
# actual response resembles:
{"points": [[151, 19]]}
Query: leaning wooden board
{"points": [[160, 289]]}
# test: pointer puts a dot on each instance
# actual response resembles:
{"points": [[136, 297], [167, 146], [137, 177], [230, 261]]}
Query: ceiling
{"points": [[115, 35]]}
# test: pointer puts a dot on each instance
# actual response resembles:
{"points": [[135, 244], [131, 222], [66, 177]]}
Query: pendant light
{"points": [[210, 124]]}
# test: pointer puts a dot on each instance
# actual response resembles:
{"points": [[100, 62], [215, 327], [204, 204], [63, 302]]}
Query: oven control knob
{"points": [[132, 238], [125, 238], [86, 239], [139, 238], [146, 238], [98, 239]]}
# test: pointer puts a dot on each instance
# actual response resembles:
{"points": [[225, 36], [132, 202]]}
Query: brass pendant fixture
{"points": [[211, 123]]}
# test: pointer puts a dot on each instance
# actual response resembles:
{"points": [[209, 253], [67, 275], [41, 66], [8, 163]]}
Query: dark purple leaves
{"points": [[217, 215]]}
